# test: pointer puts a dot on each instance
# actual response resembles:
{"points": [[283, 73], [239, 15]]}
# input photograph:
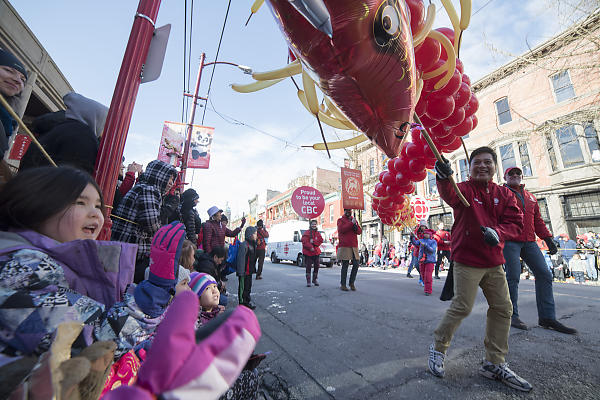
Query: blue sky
{"points": [[87, 39]]}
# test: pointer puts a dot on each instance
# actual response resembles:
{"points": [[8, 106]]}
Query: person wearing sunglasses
{"points": [[525, 247]]}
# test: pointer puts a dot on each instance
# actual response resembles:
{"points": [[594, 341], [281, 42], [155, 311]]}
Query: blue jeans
{"points": [[414, 263], [591, 271], [531, 254]]}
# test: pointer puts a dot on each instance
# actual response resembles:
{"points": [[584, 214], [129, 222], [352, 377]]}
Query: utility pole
{"points": [[110, 153]]}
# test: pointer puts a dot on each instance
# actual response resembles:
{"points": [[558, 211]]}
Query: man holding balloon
{"points": [[479, 232]]}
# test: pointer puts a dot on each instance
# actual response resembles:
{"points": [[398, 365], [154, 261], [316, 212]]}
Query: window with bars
{"points": [[582, 205], [446, 218], [371, 167], [331, 213], [463, 168], [551, 154], [591, 137], [525, 160], [503, 111], [544, 213], [568, 143], [431, 185], [563, 88], [507, 157]]}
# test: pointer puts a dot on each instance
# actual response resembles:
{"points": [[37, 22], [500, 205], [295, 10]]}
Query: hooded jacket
{"points": [[441, 236], [347, 232], [533, 224], [137, 218], [314, 248], [44, 283], [190, 216], [70, 138], [428, 248], [490, 206], [246, 256]]}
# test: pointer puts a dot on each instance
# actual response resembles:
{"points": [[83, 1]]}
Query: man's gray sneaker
{"points": [[502, 373], [436, 362]]}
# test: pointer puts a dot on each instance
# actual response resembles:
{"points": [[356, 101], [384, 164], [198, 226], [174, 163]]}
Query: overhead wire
{"points": [[184, 58], [216, 58]]}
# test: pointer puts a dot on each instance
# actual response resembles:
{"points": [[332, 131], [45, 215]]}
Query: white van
{"points": [[285, 244]]}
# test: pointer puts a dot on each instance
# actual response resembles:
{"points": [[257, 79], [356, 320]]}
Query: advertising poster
{"points": [[172, 144]]}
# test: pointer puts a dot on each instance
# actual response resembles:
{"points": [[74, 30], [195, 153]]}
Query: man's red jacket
{"points": [[314, 248], [533, 224], [261, 234], [440, 236], [490, 206], [347, 232]]}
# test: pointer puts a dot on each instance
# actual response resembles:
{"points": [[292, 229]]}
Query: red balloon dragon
{"points": [[378, 63]]}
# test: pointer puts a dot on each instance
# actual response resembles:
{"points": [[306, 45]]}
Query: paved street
{"points": [[372, 343]]}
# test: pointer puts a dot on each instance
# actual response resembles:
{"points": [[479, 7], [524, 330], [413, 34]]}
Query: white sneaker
{"points": [[501, 372], [436, 362]]}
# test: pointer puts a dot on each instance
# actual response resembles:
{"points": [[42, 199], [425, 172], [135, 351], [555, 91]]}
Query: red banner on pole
{"points": [[352, 189], [173, 138], [308, 202]]}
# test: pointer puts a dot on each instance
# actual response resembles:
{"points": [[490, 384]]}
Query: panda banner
{"points": [[173, 139]]}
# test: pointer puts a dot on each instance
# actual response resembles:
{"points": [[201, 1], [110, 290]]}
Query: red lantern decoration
{"points": [[440, 108]]}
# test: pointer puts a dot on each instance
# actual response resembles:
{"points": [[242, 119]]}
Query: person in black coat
{"points": [[190, 216], [70, 137]]}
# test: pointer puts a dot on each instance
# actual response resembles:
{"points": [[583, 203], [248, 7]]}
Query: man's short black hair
{"points": [[218, 251], [482, 150]]}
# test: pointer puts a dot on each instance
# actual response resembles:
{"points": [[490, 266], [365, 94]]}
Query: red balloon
{"points": [[407, 189], [413, 151], [464, 128], [389, 179], [460, 66], [417, 15], [452, 86], [386, 203], [416, 166], [399, 164], [449, 33], [430, 162], [402, 179], [420, 107], [440, 108], [390, 165], [472, 106], [456, 118], [455, 145], [428, 122], [413, 187], [381, 175], [446, 140], [379, 188], [440, 131], [428, 152], [462, 96], [466, 79], [475, 121], [415, 135], [427, 54], [429, 83]]}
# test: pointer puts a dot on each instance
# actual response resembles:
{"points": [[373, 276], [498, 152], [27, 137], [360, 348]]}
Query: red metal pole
{"points": [[188, 136], [114, 136]]}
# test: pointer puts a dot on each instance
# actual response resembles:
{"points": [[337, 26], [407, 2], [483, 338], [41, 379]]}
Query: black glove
{"points": [[443, 169], [552, 249], [490, 236]]}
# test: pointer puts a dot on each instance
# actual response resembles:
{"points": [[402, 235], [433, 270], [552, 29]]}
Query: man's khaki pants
{"points": [[493, 283]]}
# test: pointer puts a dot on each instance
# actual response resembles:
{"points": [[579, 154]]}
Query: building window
{"points": [[431, 185], [371, 167], [550, 146], [503, 111], [373, 212], [591, 137], [464, 169], [544, 213], [525, 161], [322, 219], [446, 218], [570, 150], [507, 157], [582, 205], [563, 88], [331, 213]]}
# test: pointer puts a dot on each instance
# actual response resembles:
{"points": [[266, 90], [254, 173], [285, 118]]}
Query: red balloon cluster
{"points": [[448, 113]]}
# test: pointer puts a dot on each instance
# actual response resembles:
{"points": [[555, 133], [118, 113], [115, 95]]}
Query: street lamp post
{"points": [[195, 97]]}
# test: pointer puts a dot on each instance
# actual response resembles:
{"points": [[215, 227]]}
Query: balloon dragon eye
{"points": [[390, 20], [386, 25]]}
